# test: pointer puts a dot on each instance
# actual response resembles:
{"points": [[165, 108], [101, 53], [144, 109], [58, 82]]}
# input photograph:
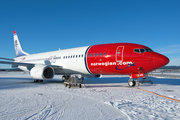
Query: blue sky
{"points": [[46, 25]]}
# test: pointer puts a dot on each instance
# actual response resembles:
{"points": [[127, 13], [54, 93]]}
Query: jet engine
{"points": [[42, 72]]}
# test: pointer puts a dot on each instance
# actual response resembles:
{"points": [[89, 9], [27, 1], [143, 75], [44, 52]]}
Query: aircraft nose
{"points": [[160, 60]]}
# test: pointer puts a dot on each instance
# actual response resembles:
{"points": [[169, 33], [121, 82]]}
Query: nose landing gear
{"points": [[140, 78]]}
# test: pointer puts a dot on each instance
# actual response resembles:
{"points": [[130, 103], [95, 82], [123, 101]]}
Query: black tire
{"points": [[35, 80], [79, 85], [41, 80], [131, 83], [69, 86], [63, 78]]}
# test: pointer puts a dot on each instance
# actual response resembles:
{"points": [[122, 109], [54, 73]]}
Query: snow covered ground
{"points": [[167, 73], [100, 98]]}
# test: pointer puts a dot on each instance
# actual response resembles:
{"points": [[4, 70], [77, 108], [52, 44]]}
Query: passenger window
{"points": [[94, 54], [97, 54], [100, 54], [91, 54], [88, 55], [76, 56], [82, 55], [104, 54]]}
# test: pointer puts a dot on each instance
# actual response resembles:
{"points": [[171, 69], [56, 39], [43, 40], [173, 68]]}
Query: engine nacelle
{"points": [[42, 72]]}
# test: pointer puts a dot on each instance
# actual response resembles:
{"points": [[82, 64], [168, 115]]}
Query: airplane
{"points": [[130, 59]]}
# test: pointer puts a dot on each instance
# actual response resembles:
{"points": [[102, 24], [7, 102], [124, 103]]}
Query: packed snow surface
{"points": [[100, 98]]}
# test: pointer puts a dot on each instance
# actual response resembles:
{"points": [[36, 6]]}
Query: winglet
{"points": [[14, 32]]}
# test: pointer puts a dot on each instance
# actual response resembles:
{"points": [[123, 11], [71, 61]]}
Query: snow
{"points": [[168, 73], [107, 97]]}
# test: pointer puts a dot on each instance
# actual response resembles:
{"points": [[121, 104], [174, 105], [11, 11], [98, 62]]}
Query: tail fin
{"points": [[18, 49]]}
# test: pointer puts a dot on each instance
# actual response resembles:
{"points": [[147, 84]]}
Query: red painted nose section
{"points": [[160, 60]]}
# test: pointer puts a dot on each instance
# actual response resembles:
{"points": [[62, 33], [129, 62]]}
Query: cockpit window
{"points": [[148, 50], [142, 50], [136, 50]]}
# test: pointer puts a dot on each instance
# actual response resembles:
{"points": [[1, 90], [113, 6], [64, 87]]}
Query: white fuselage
{"points": [[72, 60]]}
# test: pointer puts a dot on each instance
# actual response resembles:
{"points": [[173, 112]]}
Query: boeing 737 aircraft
{"points": [[90, 61]]}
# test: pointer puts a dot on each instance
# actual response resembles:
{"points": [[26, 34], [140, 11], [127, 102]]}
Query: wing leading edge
{"points": [[17, 63]]}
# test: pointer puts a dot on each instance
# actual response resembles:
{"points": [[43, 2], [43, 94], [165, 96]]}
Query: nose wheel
{"points": [[131, 83]]}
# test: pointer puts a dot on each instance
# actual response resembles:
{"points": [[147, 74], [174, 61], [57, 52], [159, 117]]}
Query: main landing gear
{"points": [[35, 80], [72, 81], [65, 77]]}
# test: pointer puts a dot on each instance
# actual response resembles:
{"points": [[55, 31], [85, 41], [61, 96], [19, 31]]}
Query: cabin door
{"points": [[119, 53]]}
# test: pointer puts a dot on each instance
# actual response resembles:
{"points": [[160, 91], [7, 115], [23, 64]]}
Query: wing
{"points": [[17, 63], [6, 59], [11, 69], [27, 64], [5, 62]]}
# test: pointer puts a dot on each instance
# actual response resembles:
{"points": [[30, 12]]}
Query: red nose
{"points": [[160, 60]]}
